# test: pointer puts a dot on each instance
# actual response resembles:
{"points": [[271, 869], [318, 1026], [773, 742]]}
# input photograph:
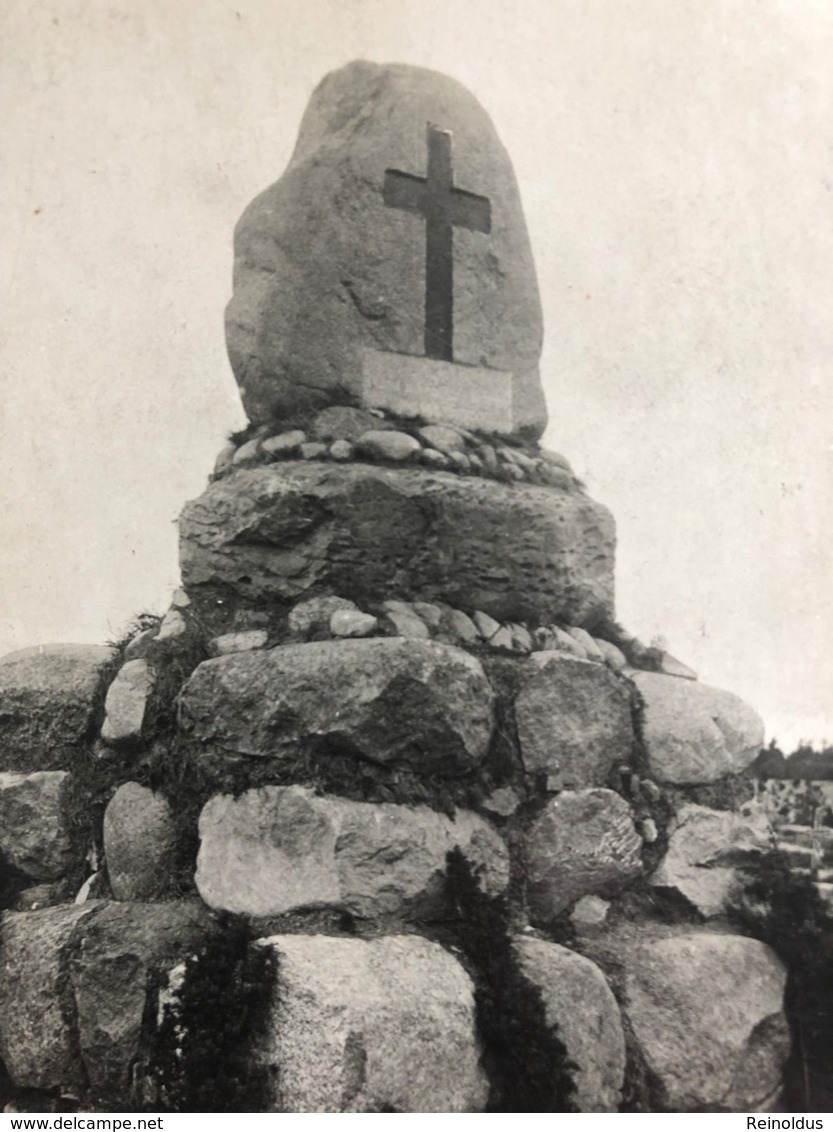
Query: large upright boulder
{"points": [[47, 700], [38, 1043], [578, 1000], [121, 958], [329, 303], [519, 552], [375, 1025], [393, 701]]}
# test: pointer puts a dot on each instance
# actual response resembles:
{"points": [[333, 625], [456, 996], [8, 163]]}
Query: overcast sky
{"points": [[675, 159]]}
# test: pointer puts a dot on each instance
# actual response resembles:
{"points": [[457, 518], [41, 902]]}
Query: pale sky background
{"points": [[675, 159]]}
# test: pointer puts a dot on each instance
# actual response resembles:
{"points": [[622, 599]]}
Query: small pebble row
{"points": [[342, 619], [439, 447]]}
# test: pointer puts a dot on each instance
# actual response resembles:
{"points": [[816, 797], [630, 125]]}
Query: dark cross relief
{"points": [[444, 208]]}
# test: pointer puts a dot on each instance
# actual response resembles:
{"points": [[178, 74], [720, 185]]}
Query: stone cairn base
{"points": [[249, 844]]}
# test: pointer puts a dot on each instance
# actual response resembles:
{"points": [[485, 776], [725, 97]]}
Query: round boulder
{"points": [[140, 843]]}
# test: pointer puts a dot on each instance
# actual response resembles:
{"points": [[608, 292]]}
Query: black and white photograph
{"points": [[416, 431]]}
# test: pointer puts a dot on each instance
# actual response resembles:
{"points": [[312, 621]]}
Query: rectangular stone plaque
{"points": [[470, 396]]}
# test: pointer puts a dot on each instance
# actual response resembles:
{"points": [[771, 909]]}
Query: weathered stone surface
{"points": [[589, 915], [284, 444], [305, 309], [341, 450], [556, 459], [116, 967], [705, 848], [459, 627], [574, 721], [140, 647], [443, 438], [434, 459], [566, 643], [281, 848], [353, 623], [503, 802], [44, 896], [36, 834], [387, 445], [313, 450], [372, 1026], [238, 642], [225, 459], [707, 1013], [486, 625], [247, 453], [394, 701], [404, 621], [579, 1002], [311, 619], [46, 703], [126, 701], [613, 656], [341, 422], [583, 843], [173, 626], [37, 1046], [140, 843], [694, 733], [586, 641], [518, 553]]}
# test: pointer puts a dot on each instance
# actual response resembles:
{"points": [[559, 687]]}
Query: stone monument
{"points": [[385, 812]]}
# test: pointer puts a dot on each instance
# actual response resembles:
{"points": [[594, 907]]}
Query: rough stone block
{"points": [[518, 552], [36, 834], [707, 1014], [395, 701], [37, 1045], [120, 961], [578, 1000], [281, 848], [583, 843], [696, 734], [574, 721], [47, 698], [705, 849], [372, 1026]]}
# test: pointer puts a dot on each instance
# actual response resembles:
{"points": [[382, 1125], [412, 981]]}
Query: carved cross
{"points": [[444, 208]]}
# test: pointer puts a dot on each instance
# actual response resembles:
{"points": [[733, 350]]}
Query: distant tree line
{"points": [[803, 763]]}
